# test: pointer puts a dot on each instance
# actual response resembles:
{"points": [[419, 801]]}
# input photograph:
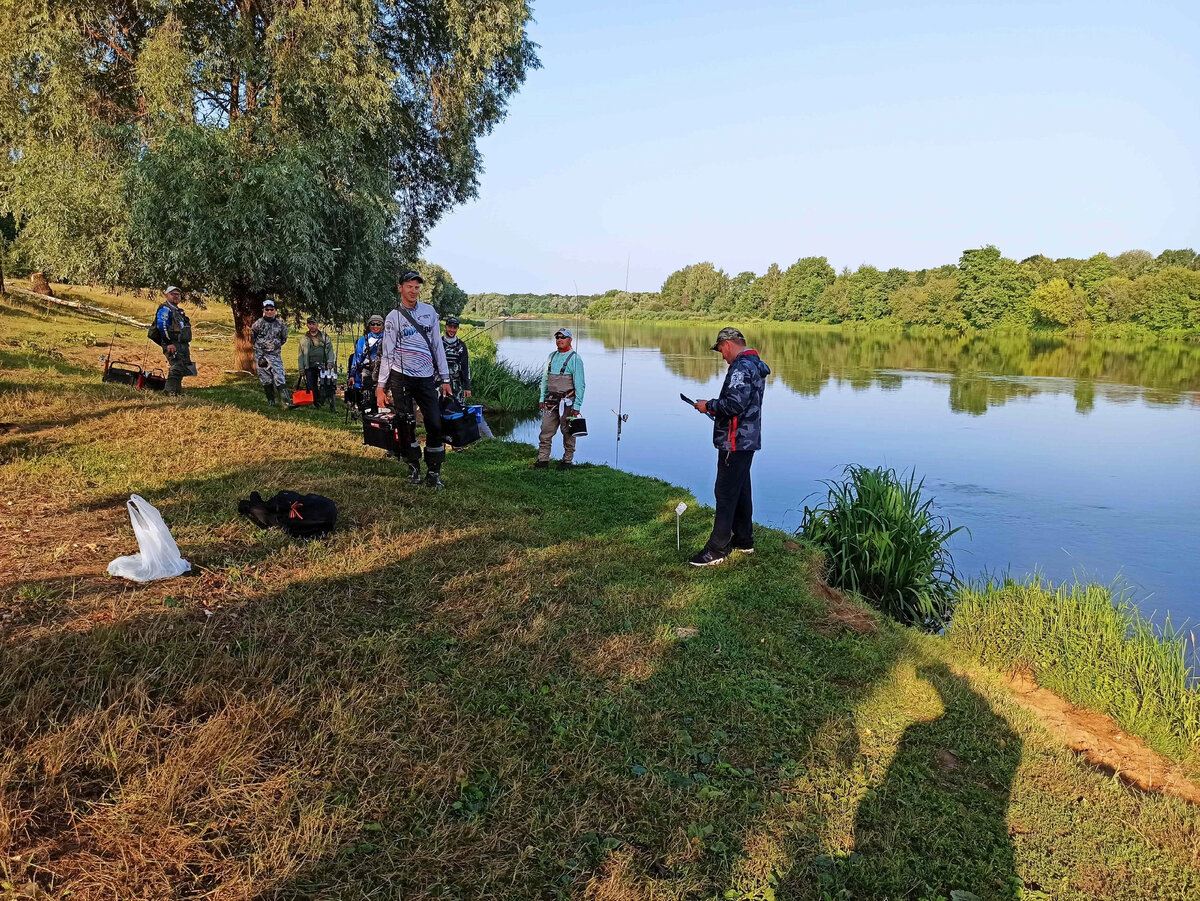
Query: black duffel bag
{"points": [[459, 423], [300, 515]]}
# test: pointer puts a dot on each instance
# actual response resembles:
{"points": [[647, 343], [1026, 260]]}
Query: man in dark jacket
{"points": [[737, 434], [458, 361], [174, 336]]}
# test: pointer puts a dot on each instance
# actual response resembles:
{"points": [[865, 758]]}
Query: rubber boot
{"points": [[269, 391], [434, 458], [413, 459]]}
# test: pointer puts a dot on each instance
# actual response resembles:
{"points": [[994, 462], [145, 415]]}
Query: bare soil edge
{"points": [[1093, 735], [1102, 742]]}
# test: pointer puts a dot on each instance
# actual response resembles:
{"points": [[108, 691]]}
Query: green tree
{"points": [[246, 147], [695, 288], [1185, 258], [994, 289], [1058, 303], [1169, 299], [803, 284]]}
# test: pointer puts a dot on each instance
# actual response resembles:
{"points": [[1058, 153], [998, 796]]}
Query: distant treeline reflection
{"points": [[983, 369]]}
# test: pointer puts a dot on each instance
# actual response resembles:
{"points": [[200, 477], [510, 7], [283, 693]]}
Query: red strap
{"points": [[295, 511], [733, 434]]}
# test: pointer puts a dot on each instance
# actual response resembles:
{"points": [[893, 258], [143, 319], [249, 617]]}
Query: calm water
{"points": [[1074, 458]]}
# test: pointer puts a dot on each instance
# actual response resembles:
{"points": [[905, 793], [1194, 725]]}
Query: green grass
{"points": [[500, 385], [496, 383], [882, 540], [512, 689], [1093, 650]]}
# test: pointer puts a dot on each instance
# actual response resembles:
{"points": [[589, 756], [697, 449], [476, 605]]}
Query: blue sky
{"points": [[895, 134]]}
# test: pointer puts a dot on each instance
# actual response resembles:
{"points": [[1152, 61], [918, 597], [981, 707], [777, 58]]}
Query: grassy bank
{"points": [[1097, 653], [511, 689]]}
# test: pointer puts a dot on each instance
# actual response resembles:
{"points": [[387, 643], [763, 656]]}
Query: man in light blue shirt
{"points": [[562, 387]]}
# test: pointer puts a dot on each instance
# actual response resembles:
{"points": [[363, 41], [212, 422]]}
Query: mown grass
{"points": [[1093, 650], [511, 689]]}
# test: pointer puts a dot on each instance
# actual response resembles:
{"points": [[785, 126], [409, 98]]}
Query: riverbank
{"points": [[513, 688]]}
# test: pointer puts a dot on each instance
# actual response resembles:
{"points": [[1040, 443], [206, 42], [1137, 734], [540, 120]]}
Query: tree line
{"points": [[984, 290], [239, 149]]}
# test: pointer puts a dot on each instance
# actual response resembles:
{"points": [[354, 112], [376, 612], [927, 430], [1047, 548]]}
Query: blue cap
{"points": [[563, 333], [410, 275]]}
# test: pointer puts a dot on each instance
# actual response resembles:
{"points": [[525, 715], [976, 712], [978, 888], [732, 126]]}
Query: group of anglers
{"points": [[404, 355]]}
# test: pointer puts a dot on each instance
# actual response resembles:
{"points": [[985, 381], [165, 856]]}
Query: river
{"points": [[1073, 458]]}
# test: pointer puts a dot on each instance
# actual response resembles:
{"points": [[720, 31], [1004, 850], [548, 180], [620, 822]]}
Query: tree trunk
{"points": [[247, 307]]}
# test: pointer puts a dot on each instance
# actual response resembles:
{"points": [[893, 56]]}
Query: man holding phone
{"points": [[737, 434]]}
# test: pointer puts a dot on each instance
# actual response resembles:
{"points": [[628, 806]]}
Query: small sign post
{"points": [[678, 513]]}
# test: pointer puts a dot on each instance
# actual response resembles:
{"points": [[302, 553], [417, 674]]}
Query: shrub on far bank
{"points": [[1094, 650], [884, 542]]}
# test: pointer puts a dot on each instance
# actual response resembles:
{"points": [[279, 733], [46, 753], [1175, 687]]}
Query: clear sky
{"points": [[891, 133]]}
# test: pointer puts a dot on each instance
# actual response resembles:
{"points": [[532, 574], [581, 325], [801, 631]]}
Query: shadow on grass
{"points": [[937, 824], [477, 692]]}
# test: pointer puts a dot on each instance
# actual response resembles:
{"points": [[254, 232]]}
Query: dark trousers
{"points": [[424, 393], [312, 379], [734, 521]]}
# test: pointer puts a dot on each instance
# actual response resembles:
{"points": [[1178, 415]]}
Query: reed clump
{"points": [[1092, 648], [882, 540], [500, 385]]}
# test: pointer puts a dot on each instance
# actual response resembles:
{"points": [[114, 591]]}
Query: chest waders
{"points": [[179, 333], [559, 386]]}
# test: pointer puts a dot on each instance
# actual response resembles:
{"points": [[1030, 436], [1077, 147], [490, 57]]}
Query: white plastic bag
{"points": [[158, 555]]}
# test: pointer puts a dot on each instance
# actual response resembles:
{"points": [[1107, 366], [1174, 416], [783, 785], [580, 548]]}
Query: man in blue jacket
{"points": [[737, 434], [173, 332]]}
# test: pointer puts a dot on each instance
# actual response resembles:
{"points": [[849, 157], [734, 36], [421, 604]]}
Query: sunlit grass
{"points": [[1093, 649]]}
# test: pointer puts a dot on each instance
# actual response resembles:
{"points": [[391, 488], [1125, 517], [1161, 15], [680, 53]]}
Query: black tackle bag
{"points": [[300, 515]]}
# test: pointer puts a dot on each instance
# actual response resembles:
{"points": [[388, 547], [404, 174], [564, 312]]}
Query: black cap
{"points": [[311, 321], [409, 275], [451, 320]]}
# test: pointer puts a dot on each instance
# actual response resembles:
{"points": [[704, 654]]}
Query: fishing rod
{"points": [[471, 337], [622, 417]]}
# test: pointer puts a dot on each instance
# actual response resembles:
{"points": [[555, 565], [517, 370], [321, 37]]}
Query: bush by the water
{"points": [[881, 540], [502, 386], [1095, 651]]}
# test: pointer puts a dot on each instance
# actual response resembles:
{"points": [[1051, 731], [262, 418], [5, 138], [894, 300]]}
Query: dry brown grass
{"points": [[513, 689]]}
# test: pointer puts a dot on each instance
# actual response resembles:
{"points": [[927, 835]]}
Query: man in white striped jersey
{"points": [[412, 366]]}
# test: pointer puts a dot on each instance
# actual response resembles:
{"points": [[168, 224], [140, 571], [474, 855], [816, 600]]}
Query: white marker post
{"points": [[678, 513]]}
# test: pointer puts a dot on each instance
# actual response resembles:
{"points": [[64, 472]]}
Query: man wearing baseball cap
{"points": [[173, 331], [364, 364], [458, 361], [737, 434], [268, 335], [562, 386], [316, 355], [413, 367]]}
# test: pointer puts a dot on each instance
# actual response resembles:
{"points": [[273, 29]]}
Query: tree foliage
{"points": [[984, 290], [245, 147]]}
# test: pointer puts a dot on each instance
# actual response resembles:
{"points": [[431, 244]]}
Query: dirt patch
{"points": [[840, 611], [1102, 742]]}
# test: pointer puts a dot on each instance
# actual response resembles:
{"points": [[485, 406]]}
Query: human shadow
{"points": [[938, 821]]}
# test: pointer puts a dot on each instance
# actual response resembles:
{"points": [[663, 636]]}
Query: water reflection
{"points": [[986, 370], [1083, 466]]}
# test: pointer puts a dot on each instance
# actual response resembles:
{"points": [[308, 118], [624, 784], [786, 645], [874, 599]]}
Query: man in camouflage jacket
{"points": [[268, 335], [737, 434]]}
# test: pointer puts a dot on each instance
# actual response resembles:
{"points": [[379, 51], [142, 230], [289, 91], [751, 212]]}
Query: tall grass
{"points": [[884, 542], [1094, 650], [502, 386]]}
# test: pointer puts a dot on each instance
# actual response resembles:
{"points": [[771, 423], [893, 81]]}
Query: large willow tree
{"points": [[246, 147]]}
